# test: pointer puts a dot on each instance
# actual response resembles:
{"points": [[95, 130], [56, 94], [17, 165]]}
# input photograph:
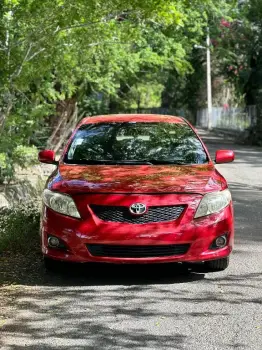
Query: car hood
{"points": [[136, 179]]}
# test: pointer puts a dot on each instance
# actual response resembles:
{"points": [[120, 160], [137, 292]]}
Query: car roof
{"points": [[143, 118]]}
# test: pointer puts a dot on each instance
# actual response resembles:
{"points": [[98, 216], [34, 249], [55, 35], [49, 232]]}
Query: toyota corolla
{"points": [[137, 189]]}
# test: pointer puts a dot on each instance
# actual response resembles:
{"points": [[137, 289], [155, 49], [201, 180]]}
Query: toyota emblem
{"points": [[138, 209]]}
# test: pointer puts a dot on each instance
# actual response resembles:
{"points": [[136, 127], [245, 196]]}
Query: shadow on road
{"points": [[30, 271], [129, 312], [248, 212]]}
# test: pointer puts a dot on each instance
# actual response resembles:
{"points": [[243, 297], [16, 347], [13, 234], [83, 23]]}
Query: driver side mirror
{"points": [[224, 156], [47, 156]]}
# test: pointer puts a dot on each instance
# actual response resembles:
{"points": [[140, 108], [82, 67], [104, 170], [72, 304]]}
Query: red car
{"points": [[137, 189]]}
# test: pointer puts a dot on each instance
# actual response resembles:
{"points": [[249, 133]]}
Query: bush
{"points": [[19, 227], [6, 168], [23, 156]]}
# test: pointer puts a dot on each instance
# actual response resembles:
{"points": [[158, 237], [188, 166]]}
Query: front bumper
{"points": [[198, 233]]}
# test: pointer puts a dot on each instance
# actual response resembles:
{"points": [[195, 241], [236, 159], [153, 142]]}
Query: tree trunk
{"points": [[5, 114], [67, 130], [65, 111]]}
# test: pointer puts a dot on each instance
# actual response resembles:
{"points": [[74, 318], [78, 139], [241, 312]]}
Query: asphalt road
{"points": [[155, 307]]}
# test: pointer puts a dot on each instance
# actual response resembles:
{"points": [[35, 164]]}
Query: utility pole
{"points": [[209, 80], [209, 84]]}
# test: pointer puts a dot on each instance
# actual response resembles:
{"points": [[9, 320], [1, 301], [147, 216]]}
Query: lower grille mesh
{"points": [[123, 251]]}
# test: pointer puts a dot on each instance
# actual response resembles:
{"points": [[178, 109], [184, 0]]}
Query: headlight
{"points": [[213, 203], [60, 203]]}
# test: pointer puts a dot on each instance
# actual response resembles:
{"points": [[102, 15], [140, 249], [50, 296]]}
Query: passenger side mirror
{"points": [[224, 156], [47, 156]]}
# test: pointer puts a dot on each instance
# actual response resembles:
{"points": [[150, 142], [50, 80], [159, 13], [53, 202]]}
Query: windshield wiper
{"points": [[160, 161], [135, 162], [88, 161], [110, 162]]}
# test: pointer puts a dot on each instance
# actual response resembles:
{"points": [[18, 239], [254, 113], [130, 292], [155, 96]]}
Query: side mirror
{"points": [[224, 156], [47, 156]]}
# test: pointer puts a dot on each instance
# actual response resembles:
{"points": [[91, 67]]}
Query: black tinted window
{"points": [[123, 142]]}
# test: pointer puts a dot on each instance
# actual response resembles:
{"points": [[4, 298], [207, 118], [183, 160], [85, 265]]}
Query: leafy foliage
{"points": [[19, 227], [25, 156], [52, 51]]}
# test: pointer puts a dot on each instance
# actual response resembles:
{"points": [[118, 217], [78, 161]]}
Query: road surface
{"points": [[154, 307]]}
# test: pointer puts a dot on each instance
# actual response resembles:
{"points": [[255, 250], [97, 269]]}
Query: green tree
{"points": [[56, 53]]}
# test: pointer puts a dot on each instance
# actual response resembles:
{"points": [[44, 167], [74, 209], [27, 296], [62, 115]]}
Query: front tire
{"points": [[217, 265]]}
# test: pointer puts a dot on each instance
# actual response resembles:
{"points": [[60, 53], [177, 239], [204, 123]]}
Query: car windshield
{"points": [[135, 143]]}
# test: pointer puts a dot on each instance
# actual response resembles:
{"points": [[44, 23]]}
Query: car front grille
{"points": [[123, 251], [122, 214]]}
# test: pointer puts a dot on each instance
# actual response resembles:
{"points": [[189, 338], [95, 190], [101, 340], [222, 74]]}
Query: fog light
{"points": [[221, 241], [53, 242]]}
